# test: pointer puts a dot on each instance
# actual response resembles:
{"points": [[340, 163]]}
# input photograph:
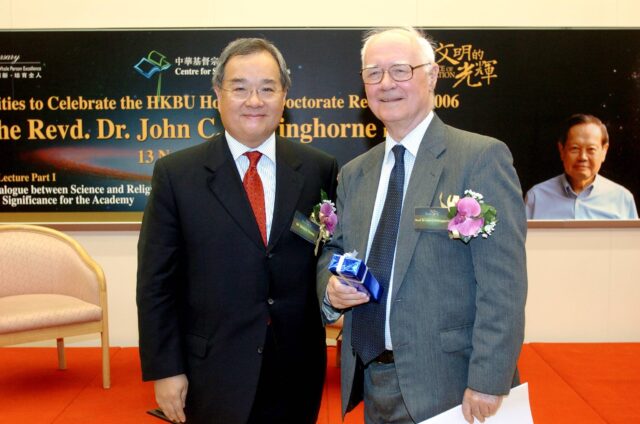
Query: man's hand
{"points": [[171, 393], [342, 296], [479, 405]]}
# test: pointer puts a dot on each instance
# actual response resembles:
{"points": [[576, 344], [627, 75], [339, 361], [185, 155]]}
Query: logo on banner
{"points": [[154, 63], [467, 65], [12, 67]]}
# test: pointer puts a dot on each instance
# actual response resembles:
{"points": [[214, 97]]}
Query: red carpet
{"points": [[568, 383], [604, 376]]}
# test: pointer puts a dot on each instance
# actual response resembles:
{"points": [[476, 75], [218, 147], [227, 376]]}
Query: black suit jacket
{"points": [[207, 285]]}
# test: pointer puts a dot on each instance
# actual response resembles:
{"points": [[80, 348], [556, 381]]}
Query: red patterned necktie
{"points": [[253, 186]]}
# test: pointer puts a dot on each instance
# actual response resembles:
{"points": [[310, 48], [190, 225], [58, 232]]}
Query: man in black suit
{"points": [[226, 301]]}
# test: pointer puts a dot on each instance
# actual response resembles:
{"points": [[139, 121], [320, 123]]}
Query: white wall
{"points": [[583, 284], [328, 13]]}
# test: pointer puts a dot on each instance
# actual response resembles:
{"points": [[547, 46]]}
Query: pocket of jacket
{"points": [[456, 339], [196, 345]]}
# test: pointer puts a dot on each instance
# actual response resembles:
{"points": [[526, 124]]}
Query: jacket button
{"points": [[271, 301], [260, 349], [269, 255]]}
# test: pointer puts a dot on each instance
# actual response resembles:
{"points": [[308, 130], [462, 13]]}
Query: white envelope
{"points": [[515, 408]]}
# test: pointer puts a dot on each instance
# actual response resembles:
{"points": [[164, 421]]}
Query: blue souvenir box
{"points": [[353, 272]]}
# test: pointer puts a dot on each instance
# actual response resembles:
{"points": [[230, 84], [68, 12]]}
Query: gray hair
{"points": [[579, 119], [247, 46], [423, 40]]}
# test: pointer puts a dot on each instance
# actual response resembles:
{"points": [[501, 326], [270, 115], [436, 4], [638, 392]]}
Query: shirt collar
{"points": [[267, 148], [566, 185], [411, 141]]}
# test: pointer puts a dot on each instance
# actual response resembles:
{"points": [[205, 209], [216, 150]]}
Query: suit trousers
{"points": [[267, 407], [383, 402], [276, 400]]}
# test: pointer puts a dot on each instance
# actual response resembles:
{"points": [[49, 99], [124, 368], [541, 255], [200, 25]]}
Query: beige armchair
{"points": [[50, 289]]}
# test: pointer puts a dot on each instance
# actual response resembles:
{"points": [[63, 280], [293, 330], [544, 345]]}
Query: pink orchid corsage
{"points": [[470, 216], [324, 215]]}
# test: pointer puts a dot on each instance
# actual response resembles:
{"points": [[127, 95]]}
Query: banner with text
{"points": [[85, 114]]}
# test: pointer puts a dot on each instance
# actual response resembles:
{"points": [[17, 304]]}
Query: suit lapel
{"points": [[226, 185], [289, 185], [365, 197], [420, 193]]}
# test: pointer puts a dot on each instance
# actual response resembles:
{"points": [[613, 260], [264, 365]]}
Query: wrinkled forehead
{"points": [[259, 67], [393, 46], [585, 134]]}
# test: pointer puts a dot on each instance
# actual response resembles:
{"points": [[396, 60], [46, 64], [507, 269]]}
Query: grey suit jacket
{"points": [[457, 313]]}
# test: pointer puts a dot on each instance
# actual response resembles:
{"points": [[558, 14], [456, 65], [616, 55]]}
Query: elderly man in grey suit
{"points": [[449, 326]]}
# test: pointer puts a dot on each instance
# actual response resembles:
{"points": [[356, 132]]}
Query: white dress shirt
{"points": [[266, 170], [411, 142]]}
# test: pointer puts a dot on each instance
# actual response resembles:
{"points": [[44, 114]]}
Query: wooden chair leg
{"points": [[106, 368], [62, 360]]}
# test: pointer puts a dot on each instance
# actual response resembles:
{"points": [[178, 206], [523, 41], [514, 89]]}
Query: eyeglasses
{"points": [[240, 92], [398, 72]]}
